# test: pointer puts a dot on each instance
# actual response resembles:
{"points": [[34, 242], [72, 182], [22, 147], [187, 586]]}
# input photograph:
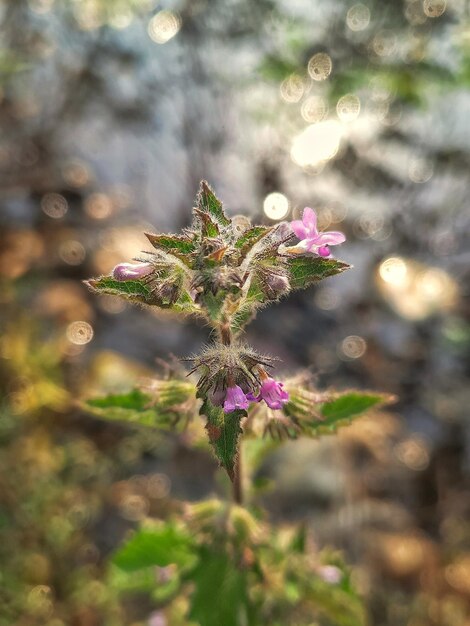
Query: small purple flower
{"points": [[272, 393], [235, 399], [129, 271], [310, 239]]}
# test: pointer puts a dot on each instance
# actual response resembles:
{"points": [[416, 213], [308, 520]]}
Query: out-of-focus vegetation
{"points": [[110, 113]]}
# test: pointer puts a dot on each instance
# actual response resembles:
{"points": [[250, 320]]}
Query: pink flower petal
{"points": [[331, 238], [299, 229], [309, 218]]}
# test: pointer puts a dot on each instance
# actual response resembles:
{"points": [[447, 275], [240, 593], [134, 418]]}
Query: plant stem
{"points": [[237, 484]]}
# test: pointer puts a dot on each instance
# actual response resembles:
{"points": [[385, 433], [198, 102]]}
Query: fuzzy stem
{"points": [[225, 334], [237, 484]]}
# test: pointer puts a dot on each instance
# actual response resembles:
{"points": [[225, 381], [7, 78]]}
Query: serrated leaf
{"points": [[223, 430], [208, 202], [313, 417], [209, 227], [173, 244], [307, 270], [161, 546], [138, 407], [251, 236], [144, 293], [220, 596], [134, 290]]}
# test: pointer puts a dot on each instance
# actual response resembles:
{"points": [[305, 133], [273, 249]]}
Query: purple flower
{"points": [[129, 271], [273, 393], [235, 399], [310, 239]]}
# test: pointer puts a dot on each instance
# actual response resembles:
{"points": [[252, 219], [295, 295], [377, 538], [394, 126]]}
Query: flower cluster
{"points": [[306, 229], [270, 390], [224, 270]]}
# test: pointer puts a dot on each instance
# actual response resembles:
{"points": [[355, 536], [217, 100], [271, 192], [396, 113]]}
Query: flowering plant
{"points": [[225, 270]]}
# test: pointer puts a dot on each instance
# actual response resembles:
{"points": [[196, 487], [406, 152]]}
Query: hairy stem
{"points": [[225, 334], [237, 484]]}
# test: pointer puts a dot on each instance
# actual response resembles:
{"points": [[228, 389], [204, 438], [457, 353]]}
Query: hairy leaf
{"points": [[306, 270], [160, 546], [161, 409], [223, 430], [311, 415], [134, 290], [145, 293], [251, 236], [208, 202], [173, 244]]}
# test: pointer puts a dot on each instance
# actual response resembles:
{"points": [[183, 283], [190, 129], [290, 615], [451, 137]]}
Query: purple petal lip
{"points": [[129, 271], [235, 399], [273, 394]]}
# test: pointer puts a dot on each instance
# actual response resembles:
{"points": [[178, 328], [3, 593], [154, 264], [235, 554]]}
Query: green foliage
{"points": [[160, 546], [223, 430], [312, 414], [207, 202], [179, 245], [226, 561], [163, 407], [220, 593], [307, 270], [251, 236], [145, 292], [351, 404]]}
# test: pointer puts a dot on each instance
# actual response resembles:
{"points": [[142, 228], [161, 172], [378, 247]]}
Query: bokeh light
{"points": [[276, 206], [320, 66], [414, 290], [434, 8], [358, 17], [79, 332], [317, 143], [164, 26], [314, 109], [348, 107], [54, 205]]}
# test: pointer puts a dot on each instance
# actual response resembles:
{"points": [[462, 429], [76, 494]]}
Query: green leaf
{"points": [[220, 596], [313, 417], [343, 608], [213, 304], [163, 410], [351, 404], [159, 546], [307, 270], [146, 293], [179, 245], [223, 430], [207, 202], [251, 236], [134, 290]]}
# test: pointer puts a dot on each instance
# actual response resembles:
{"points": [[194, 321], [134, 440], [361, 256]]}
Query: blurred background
{"points": [[111, 111]]}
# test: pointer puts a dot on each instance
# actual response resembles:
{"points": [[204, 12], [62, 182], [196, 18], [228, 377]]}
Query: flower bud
{"points": [[131, 271], [274, 283]]}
